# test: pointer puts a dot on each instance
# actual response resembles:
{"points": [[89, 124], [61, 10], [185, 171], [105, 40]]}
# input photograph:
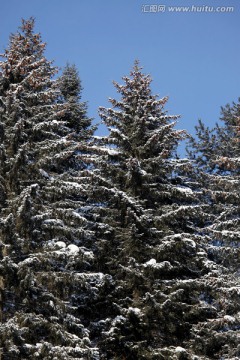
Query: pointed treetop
{"points": [[137, 67], [27, 25], [70, 83], [25, 52], [136, 72]]}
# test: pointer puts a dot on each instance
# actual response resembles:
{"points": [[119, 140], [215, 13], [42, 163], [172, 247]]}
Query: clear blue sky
{"points": [[194, 58]]}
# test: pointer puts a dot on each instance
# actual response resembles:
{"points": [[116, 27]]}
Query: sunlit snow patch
{"points": [[73, 249]]}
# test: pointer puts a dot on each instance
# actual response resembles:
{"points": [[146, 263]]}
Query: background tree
{"points": [[220, 141], [216, 154], [76, 118]]}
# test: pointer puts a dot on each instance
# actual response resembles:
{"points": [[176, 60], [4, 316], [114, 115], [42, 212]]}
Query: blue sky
{"points": [[193, 57]]}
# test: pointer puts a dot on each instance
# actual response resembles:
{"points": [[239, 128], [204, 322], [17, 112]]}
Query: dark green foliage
{"points": [[75, 116]]}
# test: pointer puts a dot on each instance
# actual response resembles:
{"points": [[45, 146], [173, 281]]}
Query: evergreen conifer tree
{"points": [[79, 124], [45, 260], [216, 154], [148, 209], [219, 142]]}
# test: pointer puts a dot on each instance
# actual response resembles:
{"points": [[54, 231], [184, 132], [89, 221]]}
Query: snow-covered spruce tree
{"points": [[216, 153], [44, 259], [146, 239], [217, 171], [220, 141]]}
